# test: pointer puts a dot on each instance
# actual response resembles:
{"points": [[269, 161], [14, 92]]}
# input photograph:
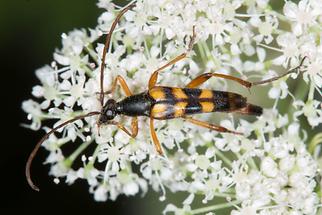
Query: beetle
{"points": [[163, 102]]}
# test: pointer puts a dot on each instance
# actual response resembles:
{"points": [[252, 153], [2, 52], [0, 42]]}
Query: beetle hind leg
{"points": [[210, 126], [196, 82]]}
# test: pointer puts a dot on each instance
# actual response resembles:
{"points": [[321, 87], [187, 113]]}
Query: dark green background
{"points": [[30, 32]]}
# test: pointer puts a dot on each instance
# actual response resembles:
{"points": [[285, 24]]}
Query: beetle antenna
{"points": [[36, 148], [106, 47], [294, 70]]}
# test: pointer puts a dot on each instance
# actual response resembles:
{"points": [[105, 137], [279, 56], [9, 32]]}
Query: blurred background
{"points": [[30, 32]]}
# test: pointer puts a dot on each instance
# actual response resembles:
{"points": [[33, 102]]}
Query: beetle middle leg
{"points": [[134, 127], [154, 77], [154, 137], [210, 126]]}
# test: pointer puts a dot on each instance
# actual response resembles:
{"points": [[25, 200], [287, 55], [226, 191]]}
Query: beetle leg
{"points": [[134, 127], [294, 70], [119, 79], [210, 126], [154, 77], [204, 77], [155, 138], [134, 122]]}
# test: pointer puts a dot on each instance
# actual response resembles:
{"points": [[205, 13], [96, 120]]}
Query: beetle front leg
{"points": [[119, 79], [134, 127]]}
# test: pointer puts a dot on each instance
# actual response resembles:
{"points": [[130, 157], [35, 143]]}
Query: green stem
{"points": [[224, 195], [146, 49], [207, 52], [69, 161], [94, 156], [87, 70], [316, 140], [223, 157], [281, 17], [252, 163], [202, 53], [90, 164], [231, 191], [215, 207], [209, 55], [300, 93], [311, 92], [89, 50]]}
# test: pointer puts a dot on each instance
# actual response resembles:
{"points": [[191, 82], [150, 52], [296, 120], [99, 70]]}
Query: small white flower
{"points": [[100, 193], [279, 90], [34, 112], [265, 28], [288, 43], [269, 167], [302, 15], [116, 158], [310, 109]]}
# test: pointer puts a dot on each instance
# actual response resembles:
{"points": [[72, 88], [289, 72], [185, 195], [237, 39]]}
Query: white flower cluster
{"points": [[268, 170]]}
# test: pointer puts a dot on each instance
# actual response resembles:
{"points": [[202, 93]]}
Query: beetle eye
{"points": [[109, 113]]}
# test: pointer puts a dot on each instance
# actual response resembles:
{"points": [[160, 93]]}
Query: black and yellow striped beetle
{"points": [[162, 102]]}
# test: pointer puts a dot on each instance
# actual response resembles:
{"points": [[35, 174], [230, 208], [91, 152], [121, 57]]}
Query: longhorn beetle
{"points": [[162, 102]]}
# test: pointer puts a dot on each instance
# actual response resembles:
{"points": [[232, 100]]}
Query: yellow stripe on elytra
{"points": [[206, 94], [179, 109], [157, 93], [179, 93], [159, 111], [207, 106]]}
